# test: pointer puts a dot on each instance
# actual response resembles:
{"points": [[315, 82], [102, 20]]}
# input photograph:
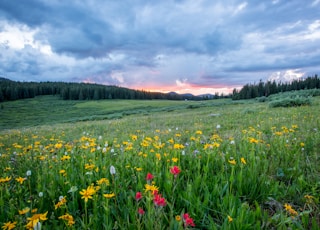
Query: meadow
{"points": [[217, 164]]}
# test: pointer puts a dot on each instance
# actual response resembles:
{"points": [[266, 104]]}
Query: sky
{"points": [[186, 46]]}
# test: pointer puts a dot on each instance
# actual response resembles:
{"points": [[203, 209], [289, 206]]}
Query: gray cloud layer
{"points": [[182, 43]]}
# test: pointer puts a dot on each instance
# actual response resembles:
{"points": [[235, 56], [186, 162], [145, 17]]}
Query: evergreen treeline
{"points": [[261, 89], [13, 90]]}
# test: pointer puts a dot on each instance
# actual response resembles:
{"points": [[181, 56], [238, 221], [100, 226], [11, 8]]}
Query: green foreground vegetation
{"points": [[127, 164]]}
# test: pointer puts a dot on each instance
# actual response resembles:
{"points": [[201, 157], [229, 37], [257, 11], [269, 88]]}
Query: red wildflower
{"points": [[175, 170], [149, 177], [138, 196], [188, 221], [141, 211], [158, 200]]}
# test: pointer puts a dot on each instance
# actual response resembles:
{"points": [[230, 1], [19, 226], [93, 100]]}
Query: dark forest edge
{"points": [[263, 89], [15, 90]]}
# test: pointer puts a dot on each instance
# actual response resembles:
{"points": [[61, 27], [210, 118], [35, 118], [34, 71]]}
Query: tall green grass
{"points": [[243, 166]]}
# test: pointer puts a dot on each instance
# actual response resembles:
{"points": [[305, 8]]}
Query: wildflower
{"points": [[109, 195], [89, 166], [62, 201], [7, 169], [149, 177], [138, 169], [20, 179], [65, 157], [158, 200], [290, 210], [9, 225], [141, 211], [63, 172], [309, 199], [178, 146], [112, 170], [218, 126], [40, 194], [134, 137], [243, 161], [24, 211], [138, 196], [35, 219], [34, 210], [253, 140], [188, 221], [178, 218], [199, 132], [174, 159], [158, 156], [151, 188], [230, 219], [103, 181], [87, 193], [175, 170], [232, 161], [6, 179], [28, 173], [68, 218]]}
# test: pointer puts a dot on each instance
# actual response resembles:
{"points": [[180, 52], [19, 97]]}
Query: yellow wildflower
{"points": [[58, 145], [103, 181], [174, 159], [87, 193], [309, 199], [230, 219], [158, 156], [35, 219], [243, 161], [290, 210], [233, 162], [65, 157], [178, 146], [9, 225], [134, 137], [109, 195], [151, 188], [20, 179], [68, 218], [216, 144], [178, 218], [34, 210], [253, 140], [5, 179], [89, 166], [138, 169], [24, 211], [61, 202]]}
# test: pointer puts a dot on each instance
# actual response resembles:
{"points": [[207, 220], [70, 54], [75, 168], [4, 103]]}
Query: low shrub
{"points": [[290, 102]]}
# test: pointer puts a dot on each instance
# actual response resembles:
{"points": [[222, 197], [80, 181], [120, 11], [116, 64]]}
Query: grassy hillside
{"points": [[50, 110], [214, 165]]}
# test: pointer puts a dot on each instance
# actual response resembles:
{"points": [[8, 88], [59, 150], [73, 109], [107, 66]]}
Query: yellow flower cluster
{"points": [[290, 210], [61, 202], [69, 218]]}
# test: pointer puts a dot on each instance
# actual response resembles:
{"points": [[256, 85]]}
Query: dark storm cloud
{"points": [[185, 43]]}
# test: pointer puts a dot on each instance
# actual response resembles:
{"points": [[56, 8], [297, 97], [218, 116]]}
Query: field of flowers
{"points": [[240, 166]]}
